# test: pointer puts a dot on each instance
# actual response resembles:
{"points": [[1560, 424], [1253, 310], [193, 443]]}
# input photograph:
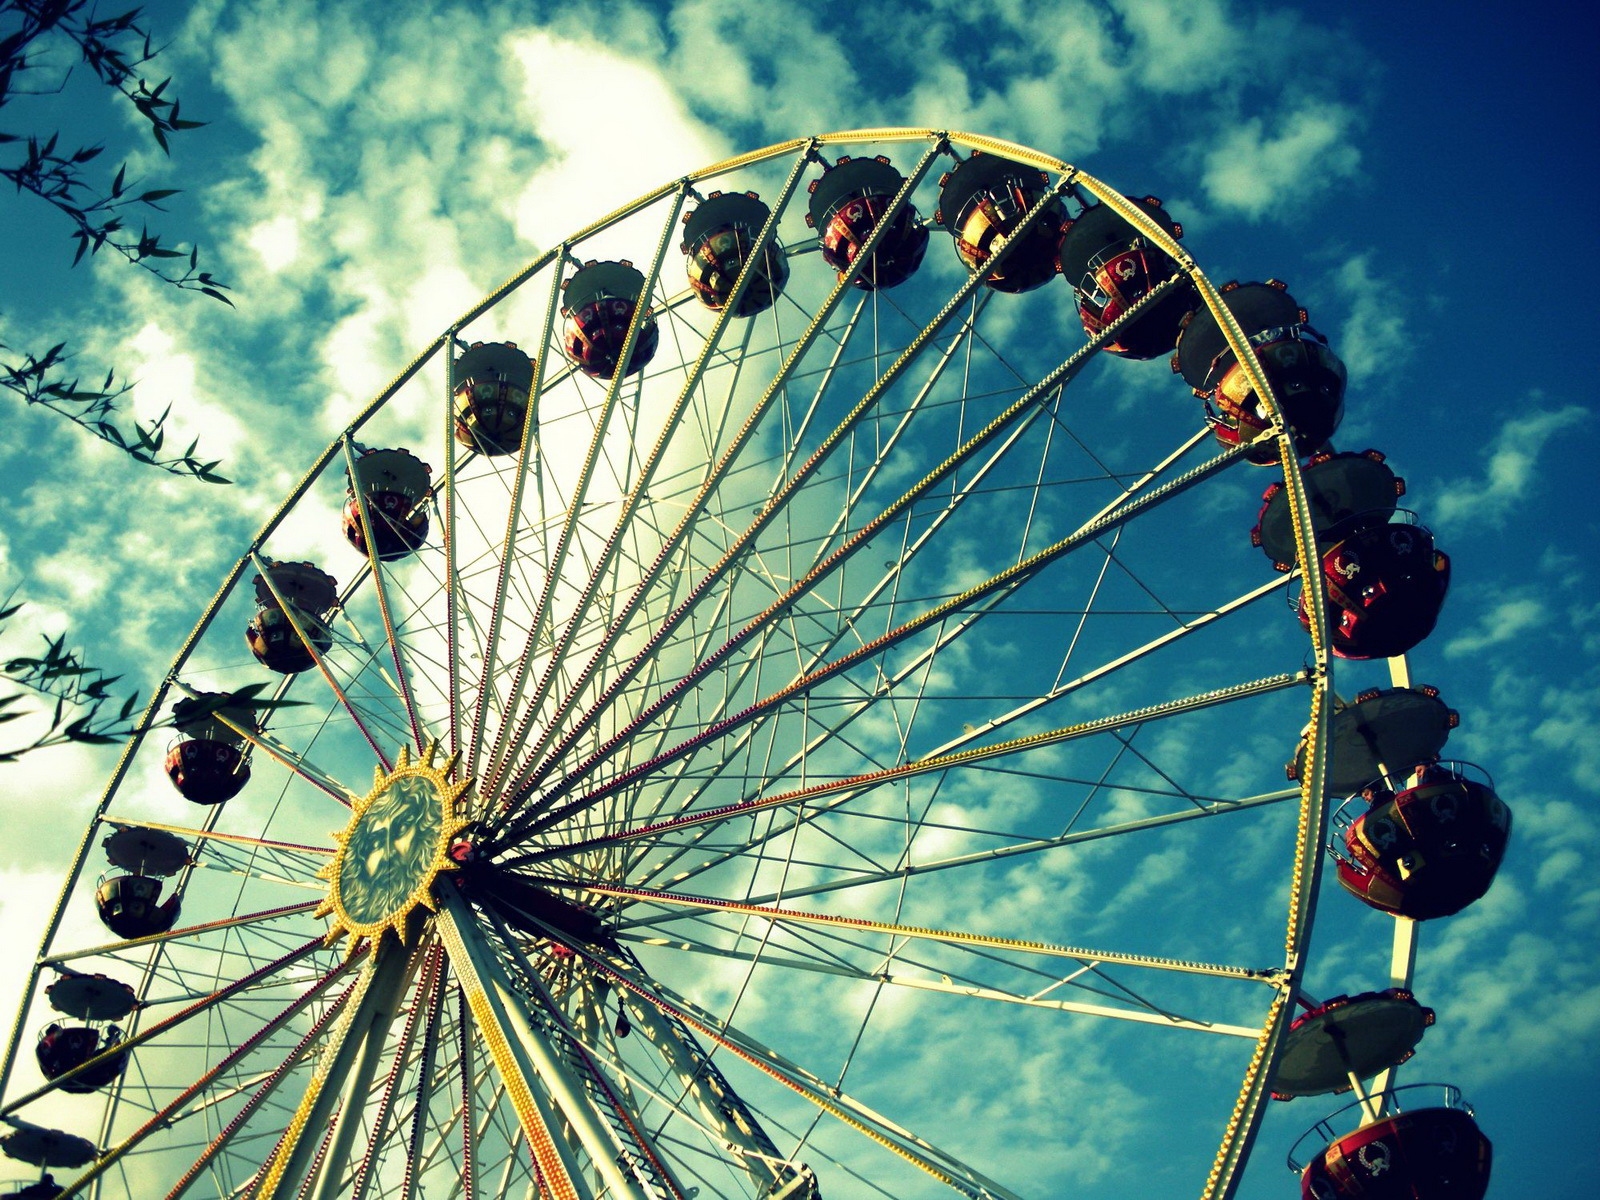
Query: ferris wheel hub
{"points": [[396, 845], [533, 908]]}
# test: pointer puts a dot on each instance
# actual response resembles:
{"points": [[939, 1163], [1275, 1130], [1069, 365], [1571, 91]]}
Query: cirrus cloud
{"points": [[1509, 467], [1262, 166]]}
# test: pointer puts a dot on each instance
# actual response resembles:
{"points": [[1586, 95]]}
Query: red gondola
{"points": [[1386, 582], [62, 1048], [982, 202], [86, 1051], [280, 635], [492, 384], [1305, 375], [1421, 1154], [207, 762], [44, 1148], [1112, 267], [719, 238], [600, 300], [394, 485], [1424, 852], [44, 1189], [847, 204], [130, 904]]}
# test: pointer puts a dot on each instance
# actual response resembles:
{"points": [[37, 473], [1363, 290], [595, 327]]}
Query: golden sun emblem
{"points": [[395, 846]]}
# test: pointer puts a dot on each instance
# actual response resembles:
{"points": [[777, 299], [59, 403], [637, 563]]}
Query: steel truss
{"points": [[849, 671]]}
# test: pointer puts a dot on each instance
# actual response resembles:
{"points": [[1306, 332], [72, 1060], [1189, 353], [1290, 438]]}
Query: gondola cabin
{"points": [[719, 238], [83, 1055], [282, 634], [131, 906], [207, 761], [387, 491], [1421, 1154], [600, 301], [1343, 491], [1379, 730], [44, 1148], [848, 203], [45, 1188], [62, 1048], [1424, 852], [1111, 267], [491, 386], [983, 201], [1345, 1039], [1305, 375], [128, 898], [1386, 582]]}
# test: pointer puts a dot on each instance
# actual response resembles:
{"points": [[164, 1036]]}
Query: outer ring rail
{"points": [[1245, 1119]]}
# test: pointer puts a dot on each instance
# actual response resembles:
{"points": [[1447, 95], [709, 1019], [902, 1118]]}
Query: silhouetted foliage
{"points": [[82, 701], [115, 49], [42, 44], [44, 381]]}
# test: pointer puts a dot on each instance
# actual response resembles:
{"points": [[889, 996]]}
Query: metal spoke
{"points": [[429, 996], [307, 644], [188, 931], [1035, 846], [1018, 414], [996, 585], [853, 786], [172, 1113], [729, 456], [948, 986], [514, 516], [847, 657], [613, 390], [269, 745], [195, 1009], [834, 440], [488, 1001], [380, 589], [950, 936], [913, 1149]]}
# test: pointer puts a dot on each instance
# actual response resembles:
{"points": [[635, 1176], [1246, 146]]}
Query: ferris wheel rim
{"points": [[1312, 817]]}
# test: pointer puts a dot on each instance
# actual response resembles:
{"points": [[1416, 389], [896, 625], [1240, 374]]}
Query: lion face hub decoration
{"points": [[396, 844]]}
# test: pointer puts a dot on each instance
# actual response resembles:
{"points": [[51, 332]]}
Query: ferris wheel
{"points": [[761, 706]]}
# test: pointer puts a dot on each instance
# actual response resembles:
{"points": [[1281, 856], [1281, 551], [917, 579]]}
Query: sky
{"points": [[369, 171]]}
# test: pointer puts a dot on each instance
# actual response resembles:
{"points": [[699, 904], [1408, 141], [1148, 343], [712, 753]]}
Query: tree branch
{"points": [[114, 48], [81, 694], [43, 381]]}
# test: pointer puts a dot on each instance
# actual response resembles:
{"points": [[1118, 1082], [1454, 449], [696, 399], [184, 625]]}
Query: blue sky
{"points": [[1421, 182]]}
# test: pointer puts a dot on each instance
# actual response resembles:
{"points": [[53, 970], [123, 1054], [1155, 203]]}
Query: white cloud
{"points": [[1504, 622], [1568, 729], [1373, 341], [1516, 1009], [1586, 620], [1510, 467], [276, 240], [1049, 77], [1558, 867], [1260, 167], [1180, 46], [600, 155], [169, 376], [765, 64]]}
